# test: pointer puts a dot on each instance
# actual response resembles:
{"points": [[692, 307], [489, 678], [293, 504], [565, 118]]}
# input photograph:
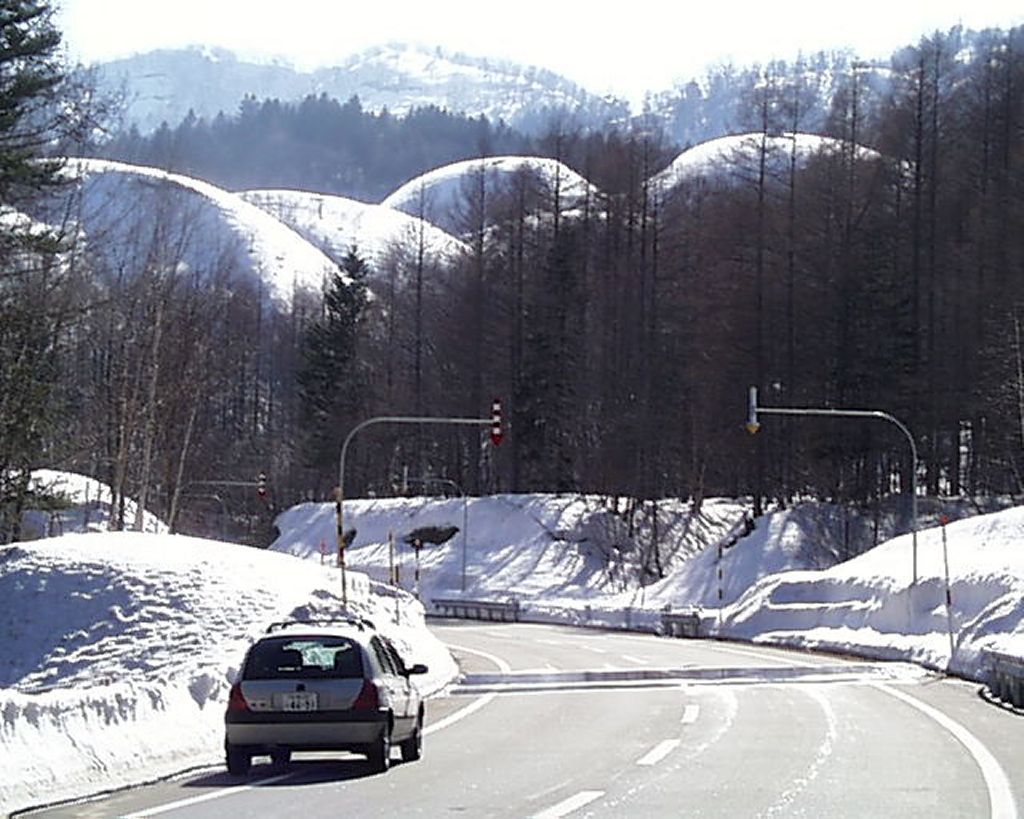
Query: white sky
{"points": [[619, 47]]}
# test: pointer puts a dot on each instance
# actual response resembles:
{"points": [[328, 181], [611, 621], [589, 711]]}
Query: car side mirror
{"points": [[419, 668]]}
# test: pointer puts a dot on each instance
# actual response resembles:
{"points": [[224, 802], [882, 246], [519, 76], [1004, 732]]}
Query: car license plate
{"points": [[299, 702]]}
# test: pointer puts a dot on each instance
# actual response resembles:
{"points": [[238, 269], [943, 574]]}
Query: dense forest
{"points": [[622, 330], [317, 144]]}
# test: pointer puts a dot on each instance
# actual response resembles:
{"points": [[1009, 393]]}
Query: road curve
{"points": [[557, 722]]}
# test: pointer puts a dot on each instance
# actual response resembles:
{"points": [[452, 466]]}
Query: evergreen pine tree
{"points": [[333, 381], [33, 283]]}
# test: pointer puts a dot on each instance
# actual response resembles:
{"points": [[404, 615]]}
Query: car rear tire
{"points": [[412, 748], [238, 760], [379, 753]]}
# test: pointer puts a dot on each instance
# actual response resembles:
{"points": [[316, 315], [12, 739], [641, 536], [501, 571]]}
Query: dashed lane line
{"points": [[451, 719], [570, 805], [659, 752]]}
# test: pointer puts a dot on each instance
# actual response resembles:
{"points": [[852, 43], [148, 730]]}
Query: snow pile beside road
{"points": [[782, 582], [120, 648], [870, 605]]}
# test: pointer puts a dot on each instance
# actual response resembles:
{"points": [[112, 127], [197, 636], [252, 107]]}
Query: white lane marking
{"points": [[690, 714], [784, 805], [629, 658], [461, 714], [451, 719], [474, 706], [206, 797], [595, 649], [1000, 794], [502, 665], [659, 752], [567, 806]]}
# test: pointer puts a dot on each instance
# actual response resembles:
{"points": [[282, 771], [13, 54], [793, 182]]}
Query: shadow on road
{"points": [[297, 772]]}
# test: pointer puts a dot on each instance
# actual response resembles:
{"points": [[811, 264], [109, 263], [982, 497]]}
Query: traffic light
{"points": [[261, 485], [497, 434]]}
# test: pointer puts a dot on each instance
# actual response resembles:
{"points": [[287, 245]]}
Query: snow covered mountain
{"points": [[339, 224], [164, 85], [737, 154], [440, 196], [205, 228]]}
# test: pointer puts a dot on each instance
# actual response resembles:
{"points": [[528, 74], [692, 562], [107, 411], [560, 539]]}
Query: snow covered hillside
{"points": [[338, 225], [83, 506], [727, 156], [440, 196], [164, 85], [205, 228]]}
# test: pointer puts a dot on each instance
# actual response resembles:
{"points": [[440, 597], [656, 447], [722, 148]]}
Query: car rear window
{"points": [[304, 657]]}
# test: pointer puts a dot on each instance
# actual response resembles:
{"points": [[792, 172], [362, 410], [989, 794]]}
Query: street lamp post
{"points": [[389, 419], [753, 426]]}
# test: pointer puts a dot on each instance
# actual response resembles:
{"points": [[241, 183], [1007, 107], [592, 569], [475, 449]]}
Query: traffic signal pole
{"points": [[753, 425], [494, 422]]}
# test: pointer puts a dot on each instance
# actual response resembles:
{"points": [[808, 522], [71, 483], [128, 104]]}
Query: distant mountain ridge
{"points": [[164, 85]]}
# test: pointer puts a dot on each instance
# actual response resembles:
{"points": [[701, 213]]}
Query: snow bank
{"points": [[120, 649], [870, 604], [566, 559]]}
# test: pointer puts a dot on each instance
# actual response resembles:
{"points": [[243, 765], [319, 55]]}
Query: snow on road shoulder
{"points": [[120, 649], [782, 582], [871, 605]]}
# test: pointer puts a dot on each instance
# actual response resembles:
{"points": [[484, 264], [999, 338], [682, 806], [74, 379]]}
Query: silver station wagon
{"points": [[323, 686]]}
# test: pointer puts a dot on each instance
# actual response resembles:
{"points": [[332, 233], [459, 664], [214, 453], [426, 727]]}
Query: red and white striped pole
{"points": [[497, 433]]}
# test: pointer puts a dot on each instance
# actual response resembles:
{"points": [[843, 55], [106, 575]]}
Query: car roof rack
{"points": [[361, 623]]}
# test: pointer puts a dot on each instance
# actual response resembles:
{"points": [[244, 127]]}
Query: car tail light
{"points": [[369, 697], [236, 701]]}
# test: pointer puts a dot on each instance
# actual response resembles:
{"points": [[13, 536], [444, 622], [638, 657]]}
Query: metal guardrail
{"points": [[680, 623], [1006, 678], [506, 612]]}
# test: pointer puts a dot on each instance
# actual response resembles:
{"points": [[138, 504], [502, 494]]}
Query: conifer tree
{"points": [[33, 291], [333, 380]]}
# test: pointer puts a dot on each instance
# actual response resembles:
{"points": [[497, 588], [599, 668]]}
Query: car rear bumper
{"points": [[325, 730]]}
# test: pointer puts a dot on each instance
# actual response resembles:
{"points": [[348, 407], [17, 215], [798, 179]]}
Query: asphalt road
{"points": [[553, 721]]}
